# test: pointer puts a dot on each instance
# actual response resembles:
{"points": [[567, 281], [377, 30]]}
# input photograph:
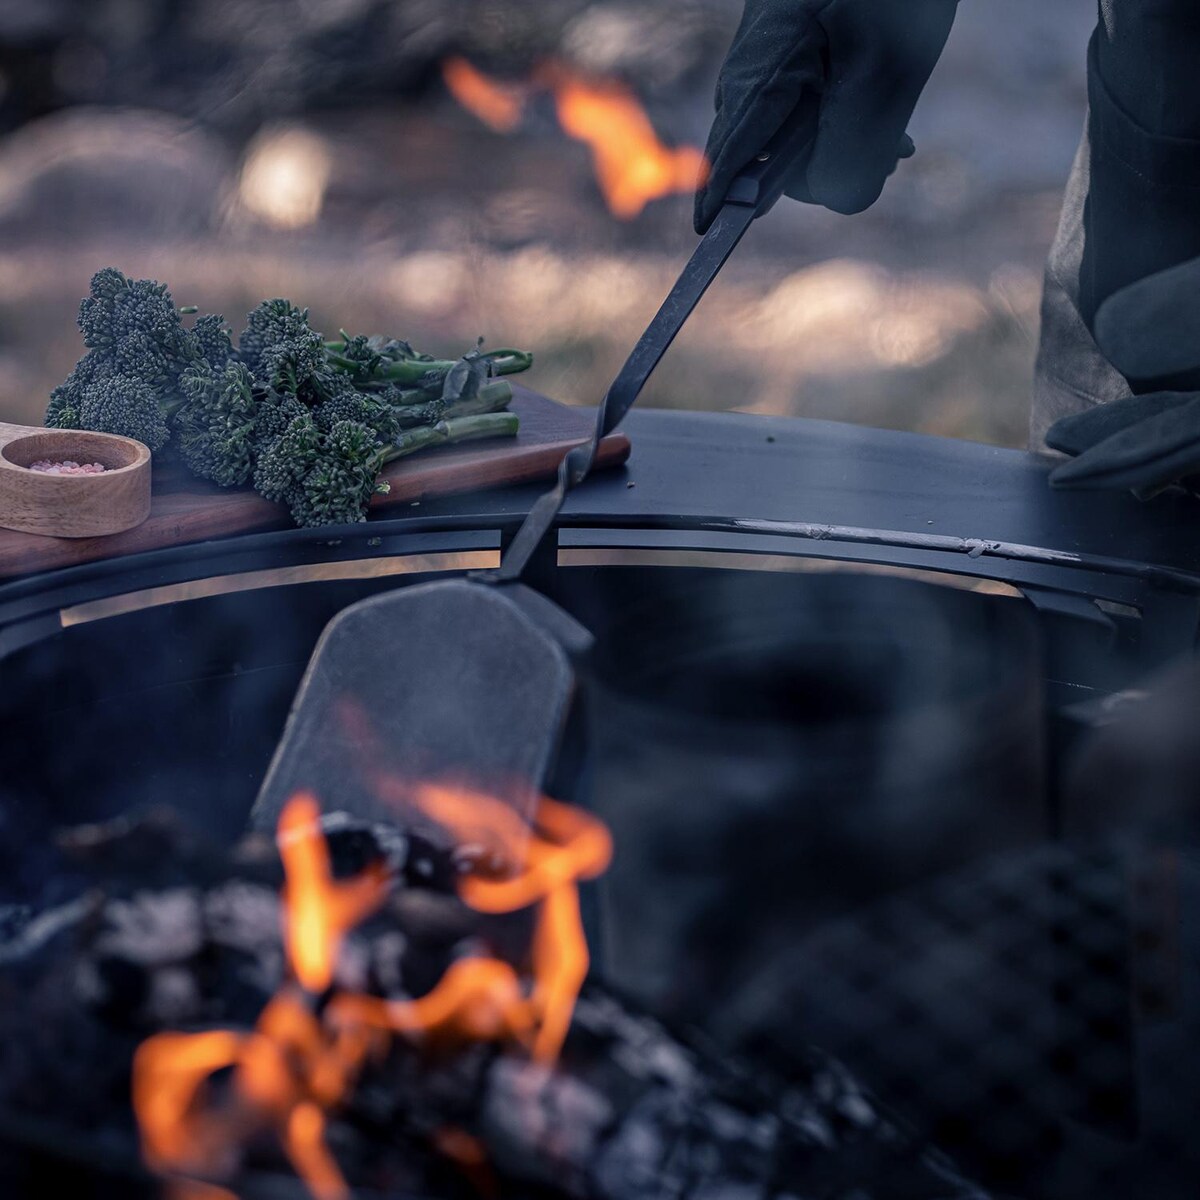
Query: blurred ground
{"points": [[232, 172]]}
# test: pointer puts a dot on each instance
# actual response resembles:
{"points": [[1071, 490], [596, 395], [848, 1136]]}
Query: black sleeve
{"points": [[1143, 208]]}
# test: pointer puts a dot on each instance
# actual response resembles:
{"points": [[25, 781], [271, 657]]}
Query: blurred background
{"points": [[444, 169]]}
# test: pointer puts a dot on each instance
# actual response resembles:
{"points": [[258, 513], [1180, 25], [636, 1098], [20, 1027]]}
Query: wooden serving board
{"points": [[185, 509]]}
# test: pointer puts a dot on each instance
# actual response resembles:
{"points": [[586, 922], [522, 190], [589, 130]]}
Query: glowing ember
{"points": [[632, 165], [308, 1048]]}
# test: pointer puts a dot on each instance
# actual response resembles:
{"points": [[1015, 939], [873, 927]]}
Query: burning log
{"points": [[389, 1034]]}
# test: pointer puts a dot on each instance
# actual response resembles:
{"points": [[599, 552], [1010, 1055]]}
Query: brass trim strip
{"points": [[480, 560], [221, 585], [740, 560]]}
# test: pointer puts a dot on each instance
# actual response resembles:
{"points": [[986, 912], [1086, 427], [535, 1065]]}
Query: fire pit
{"points": [[165, 680]]}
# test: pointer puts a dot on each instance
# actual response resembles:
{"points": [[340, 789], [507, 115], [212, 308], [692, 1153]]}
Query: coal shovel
{"points": [[473, 680]]}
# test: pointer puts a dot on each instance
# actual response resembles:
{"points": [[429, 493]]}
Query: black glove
{"points": [[863, 63], [1144, 443], [1149, 331]]}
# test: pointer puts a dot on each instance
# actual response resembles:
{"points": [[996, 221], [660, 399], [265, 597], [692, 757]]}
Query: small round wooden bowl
{"points": [[73, 506]]}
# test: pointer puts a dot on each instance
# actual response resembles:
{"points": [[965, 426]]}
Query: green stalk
{"points": [[409, 398], [509, 361], [492, 398], [413, 416], [460, 429], [410, 371]]}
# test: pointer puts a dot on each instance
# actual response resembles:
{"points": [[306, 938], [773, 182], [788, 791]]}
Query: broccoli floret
{"points": [[63, 410], [282, 350], [135, 321], [329, 479], [66, 401], [276, 411], [284, 461], [381, 364], [127, 383], [366, 358], [346, 404], [296, 365], [213, 341], [97, 309], [338, 487], [125, 405], [217, 423], [362, 360], [324, 479]]}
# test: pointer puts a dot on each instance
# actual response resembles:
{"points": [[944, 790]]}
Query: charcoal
{"points": [[354, 845], [152, 848], [633, 1111], [27, 932]]}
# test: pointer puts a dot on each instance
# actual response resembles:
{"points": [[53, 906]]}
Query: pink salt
{"points": [[47, 467]]}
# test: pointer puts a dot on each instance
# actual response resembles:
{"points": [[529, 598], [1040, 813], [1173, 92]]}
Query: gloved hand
{"points": [[1144, 443], [1149, 331], [863, 63]]}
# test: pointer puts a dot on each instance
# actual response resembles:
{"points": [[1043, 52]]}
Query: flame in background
{"points": [[496, 104], [309, 1046], [632, 165]]}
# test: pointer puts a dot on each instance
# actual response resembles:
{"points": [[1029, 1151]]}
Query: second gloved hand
{"points": [[862, 63], [1142, 443], [1150, 331]]}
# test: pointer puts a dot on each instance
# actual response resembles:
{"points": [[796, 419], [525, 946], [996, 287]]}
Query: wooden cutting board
{"points": [[186, 509]]}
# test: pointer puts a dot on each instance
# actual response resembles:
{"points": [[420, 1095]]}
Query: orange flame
{"points": [[480, 998], [470, 1155], [318, 912], [495, 104], [169, 1070], [295, 1066], [288, 1071], [194, 1189], [632, 165], [569, 845]]}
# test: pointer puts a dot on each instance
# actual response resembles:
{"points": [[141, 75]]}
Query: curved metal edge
{"points": [[35, 598]]}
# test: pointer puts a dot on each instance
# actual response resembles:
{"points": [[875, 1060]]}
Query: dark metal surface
{"points": [[770, 485], [802, 477]]}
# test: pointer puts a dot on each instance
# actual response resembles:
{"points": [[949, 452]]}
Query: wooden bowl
{"points": [[72, 506]]}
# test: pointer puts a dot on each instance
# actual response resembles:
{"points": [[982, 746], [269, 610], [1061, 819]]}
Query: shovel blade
{"points": [[457, 682]]}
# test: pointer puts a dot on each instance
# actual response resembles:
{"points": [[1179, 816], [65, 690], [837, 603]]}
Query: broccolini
{"points": [[309, 423], [342, 467], [217, 423]]}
